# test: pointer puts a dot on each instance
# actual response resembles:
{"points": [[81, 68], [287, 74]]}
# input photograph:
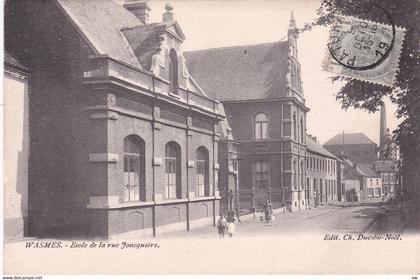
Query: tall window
{"points": [[173, 71], [294, 128], [261, 126], [302, 131], [202, 169], [302, 175], [134, 173], [172, 170], [261, 174]]}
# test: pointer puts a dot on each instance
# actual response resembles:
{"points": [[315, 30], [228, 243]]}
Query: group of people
{"points": [[226, 226]]}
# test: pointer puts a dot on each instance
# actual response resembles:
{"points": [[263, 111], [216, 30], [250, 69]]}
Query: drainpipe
{"points": [[281, 157], [214, 172], [153, 158], [188, 192]]}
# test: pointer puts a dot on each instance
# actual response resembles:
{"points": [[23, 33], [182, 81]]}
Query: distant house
{"points": [[386, 169], [371, 180], [355, 146], [353, 182]]}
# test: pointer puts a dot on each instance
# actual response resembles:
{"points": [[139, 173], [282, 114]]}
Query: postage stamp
{"points": [[364, 50]]}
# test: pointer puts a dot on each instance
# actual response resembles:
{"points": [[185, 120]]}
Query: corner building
{"points": [[261, 92], [123, 140]]}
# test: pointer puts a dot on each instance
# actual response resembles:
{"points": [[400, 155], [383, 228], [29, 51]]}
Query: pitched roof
{"points": [[367, 169], [351, 173], [145, 40], [317, 148], [241, 72], [101, 21], [10, 61], [349, 138], [224, 126]]}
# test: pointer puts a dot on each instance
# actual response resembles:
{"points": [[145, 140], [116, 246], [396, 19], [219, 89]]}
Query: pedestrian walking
{"points": [[268, 211], [222, 226], [231, 227], [237, 214]]}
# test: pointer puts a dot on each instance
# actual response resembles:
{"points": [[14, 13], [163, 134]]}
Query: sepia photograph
{"points": [[211, 137]]}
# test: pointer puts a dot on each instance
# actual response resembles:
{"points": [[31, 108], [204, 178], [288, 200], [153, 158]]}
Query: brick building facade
{"points": [[127, 135], [260, 89], [122, 138]]}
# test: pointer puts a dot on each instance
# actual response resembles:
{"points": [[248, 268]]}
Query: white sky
{"points": [[209, 24]]}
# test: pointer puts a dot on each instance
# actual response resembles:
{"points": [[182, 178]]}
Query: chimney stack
{"points": [[139, 8], [168, 16]]}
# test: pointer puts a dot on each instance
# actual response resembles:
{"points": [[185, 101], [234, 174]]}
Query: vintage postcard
{"points": [[211, 137]]}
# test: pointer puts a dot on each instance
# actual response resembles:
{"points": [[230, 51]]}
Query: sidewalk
{"points": [[392, 219]]}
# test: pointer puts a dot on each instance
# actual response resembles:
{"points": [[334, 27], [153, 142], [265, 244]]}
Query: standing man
{"points": [[222, 226]]}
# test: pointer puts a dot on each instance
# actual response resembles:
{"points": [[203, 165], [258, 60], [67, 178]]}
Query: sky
{"points": [[211, 24]]}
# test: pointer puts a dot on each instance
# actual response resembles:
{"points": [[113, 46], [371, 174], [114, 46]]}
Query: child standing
{"points": [[231, 227]]}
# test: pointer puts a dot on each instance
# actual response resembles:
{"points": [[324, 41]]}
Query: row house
{"points": [[323, 175], [123, 140], [372, 181], [261, 91], [388, 172]]}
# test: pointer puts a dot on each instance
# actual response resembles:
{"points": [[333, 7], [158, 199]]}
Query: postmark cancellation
{"points": [[364, 50]]}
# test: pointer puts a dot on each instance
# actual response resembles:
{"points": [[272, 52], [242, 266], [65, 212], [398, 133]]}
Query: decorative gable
{"points": [[175, 30]]}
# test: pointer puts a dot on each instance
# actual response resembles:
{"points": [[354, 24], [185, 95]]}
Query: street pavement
{"points": [[334, 218], [283, 246]]}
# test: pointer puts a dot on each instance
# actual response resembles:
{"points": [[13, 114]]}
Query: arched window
{"points": [[294, 128], [302, 175], [261, 126], [302, 131], [261, 174], [134, 169], [172, 170], [202, 171], [173, 71]]}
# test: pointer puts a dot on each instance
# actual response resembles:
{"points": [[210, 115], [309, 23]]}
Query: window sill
{"points": [[174, 95], [150, 203], [202, 198], [170, 201], [121, 205]]}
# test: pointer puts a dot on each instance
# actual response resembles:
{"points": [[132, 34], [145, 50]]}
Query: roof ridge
{"points": [[362, 134], [237, 46]]}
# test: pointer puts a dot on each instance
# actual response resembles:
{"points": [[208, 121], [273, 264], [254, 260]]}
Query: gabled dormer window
{"points": [[173, 72]]}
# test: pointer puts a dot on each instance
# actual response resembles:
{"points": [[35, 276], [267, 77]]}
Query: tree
{"points": [[405, 92]]}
